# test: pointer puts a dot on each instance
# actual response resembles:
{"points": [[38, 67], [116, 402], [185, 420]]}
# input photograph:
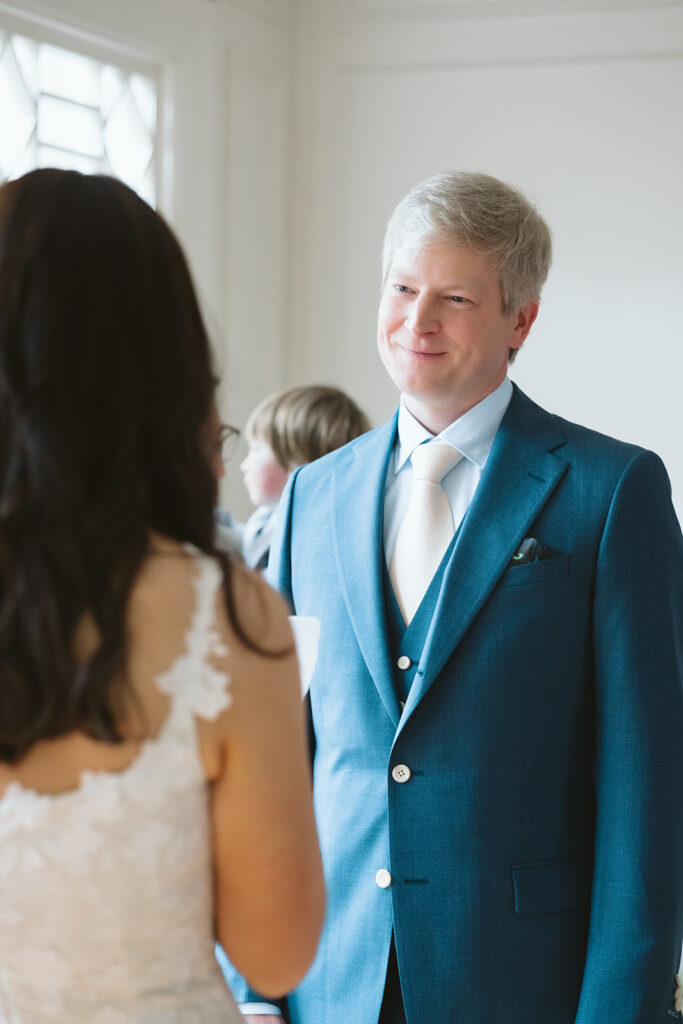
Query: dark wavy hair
{"points": [[106, 383]]}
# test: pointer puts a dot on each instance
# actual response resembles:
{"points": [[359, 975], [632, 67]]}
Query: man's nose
{"points": [[422, 318]]}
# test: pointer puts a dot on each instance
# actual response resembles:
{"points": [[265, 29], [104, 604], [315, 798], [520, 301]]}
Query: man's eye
{"points": [[401, 288], [458, 298]]}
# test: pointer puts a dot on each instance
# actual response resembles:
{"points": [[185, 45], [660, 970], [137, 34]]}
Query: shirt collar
{"points": [[472, 434]]}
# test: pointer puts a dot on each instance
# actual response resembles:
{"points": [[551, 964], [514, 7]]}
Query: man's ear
{"points": [[525, 318]]}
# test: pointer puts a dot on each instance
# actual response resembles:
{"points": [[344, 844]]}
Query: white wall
{"points": [[292, 127], [581, 110]]}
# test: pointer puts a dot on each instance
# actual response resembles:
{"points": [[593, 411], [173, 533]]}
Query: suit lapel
{"points": [[520, 475], [357, 496]]}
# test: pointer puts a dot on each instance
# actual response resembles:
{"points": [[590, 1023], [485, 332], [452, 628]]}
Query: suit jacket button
{"points": [[404, 662], [383, 878], [400, 773]]}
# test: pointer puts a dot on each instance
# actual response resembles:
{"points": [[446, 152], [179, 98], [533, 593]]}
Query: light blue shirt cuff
{"points": [[260, 1008]]}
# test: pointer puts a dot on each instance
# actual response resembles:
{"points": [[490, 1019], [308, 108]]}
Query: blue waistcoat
{"points": [[409, 641]]}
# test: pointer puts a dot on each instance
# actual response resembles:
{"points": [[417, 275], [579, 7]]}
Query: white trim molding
{"points": [[475, 9]]}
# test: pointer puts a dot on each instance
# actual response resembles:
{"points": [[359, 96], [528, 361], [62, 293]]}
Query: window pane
{"points": [[129, 146], [28, 159], [71, 127], [145, 97], [48, 157], [112, 85], [26, 52], [17, 112], [147, 188], [69, 75]]}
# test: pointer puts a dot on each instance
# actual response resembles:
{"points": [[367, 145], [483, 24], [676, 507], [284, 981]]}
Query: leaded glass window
{"points": [[59, 108]]}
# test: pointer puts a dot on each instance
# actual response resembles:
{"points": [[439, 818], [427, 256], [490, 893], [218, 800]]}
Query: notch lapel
{"points": [[357, 496], [520, 475]]}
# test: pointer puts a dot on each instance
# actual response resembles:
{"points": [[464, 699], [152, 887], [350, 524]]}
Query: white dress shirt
{"points": [[472, 434]]}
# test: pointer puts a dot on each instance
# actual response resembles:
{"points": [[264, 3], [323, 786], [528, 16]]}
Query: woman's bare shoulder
{"points": [[259, 613]]}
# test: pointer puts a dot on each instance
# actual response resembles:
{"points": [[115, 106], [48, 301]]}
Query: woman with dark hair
{"points": [[154, 781]]}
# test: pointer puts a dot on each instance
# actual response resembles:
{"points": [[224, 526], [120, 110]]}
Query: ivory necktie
{"points": [[427, 528]]}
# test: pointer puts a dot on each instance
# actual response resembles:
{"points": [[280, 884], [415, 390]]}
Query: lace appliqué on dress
{"points": [[106, 904], [209, 694]]}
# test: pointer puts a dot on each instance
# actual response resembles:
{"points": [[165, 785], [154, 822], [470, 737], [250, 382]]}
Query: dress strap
{"points": [[192, 680]]}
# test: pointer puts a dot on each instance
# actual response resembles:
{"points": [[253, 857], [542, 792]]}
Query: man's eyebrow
{"points": [[453, 285]]}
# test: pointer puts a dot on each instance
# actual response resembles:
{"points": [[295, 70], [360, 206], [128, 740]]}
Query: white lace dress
{"points": [[105, 891]]}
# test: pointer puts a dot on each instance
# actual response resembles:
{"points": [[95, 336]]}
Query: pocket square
{"points": [[531, 550]]}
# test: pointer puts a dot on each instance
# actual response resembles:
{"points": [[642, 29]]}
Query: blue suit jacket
{"points": [[536, 852]]}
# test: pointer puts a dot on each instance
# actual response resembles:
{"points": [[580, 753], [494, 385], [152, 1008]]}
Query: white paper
{"points": [[306, 631]]}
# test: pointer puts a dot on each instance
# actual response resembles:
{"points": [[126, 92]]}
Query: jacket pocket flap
{"points": [[549, 886]]}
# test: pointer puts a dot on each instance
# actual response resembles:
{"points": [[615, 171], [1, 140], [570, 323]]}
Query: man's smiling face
{"points": [[442, 333]]}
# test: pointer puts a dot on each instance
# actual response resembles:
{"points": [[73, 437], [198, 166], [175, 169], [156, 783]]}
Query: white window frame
{"points": [[42, 35]]}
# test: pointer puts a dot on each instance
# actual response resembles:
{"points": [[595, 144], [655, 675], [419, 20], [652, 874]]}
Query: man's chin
{"points": [[423, 395]]}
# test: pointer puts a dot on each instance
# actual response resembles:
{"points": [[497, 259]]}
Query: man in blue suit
{"points": [[497, 745]]}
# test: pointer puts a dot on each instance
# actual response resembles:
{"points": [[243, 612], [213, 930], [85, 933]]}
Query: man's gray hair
{"points": [[489, 216]]}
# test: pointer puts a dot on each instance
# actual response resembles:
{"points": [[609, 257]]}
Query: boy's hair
{"points": [[304, 423]]}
